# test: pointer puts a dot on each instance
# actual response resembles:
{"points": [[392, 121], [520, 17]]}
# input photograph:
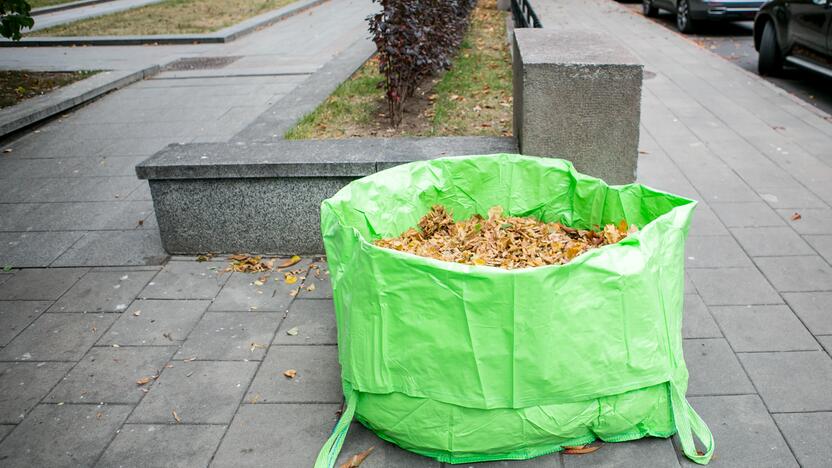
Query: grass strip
{"points": [[473, 98], [19, 85], [167, 17]]}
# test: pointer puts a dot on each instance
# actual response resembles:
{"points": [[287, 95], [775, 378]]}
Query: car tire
{"points": [[684, 20], [770, 60], [649, 9]]}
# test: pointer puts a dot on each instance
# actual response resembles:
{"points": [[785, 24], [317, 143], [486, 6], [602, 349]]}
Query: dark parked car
{"points": [[794, 31], [690, 12]]}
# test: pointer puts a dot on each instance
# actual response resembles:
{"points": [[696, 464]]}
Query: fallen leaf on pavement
{"points": [[292, 331], [289, 262], [796, 216], [146, 380], [357, 459], [290, 279], [311, 287], [257, 346], [176, 416], [580, 449], [247, 264], [204, 257], [137, 313], [189, 359], [291, 373]]}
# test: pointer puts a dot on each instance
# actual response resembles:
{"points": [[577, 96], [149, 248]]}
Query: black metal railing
{"points": [[524, 15]]}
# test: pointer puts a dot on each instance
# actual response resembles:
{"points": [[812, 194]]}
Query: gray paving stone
{"points": [[733, 286], [109, 375], [795, 274], [24, 193], [5, 277], [240, 294], [318, 377], [791, 382], [763, 328], [823, 245], [770, 241], [230, 336], [187, 280], [714, 252], [814, 310], [85, 189], [178, 445], [714, 369], [705, 222], [752, 214], [826, 342], [314, 320], [17, 315], [261, 434], [690, 288], [40, 284], [23, 384], [62, 436], [638, 453], [386, 454], [697, 322], [744, 433], [34, 249], [790, 197], [88, 216], [57, 337], [157, 323], [319, 277], [115, 248], [201, 392], [102, 291], [809, 435], [5, 429], [812, 220]]}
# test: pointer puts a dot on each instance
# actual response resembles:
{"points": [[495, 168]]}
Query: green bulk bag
{"points": [[469, 363]]}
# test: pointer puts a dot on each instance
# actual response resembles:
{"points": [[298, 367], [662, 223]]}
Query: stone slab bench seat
{"points": [[266, 197]]}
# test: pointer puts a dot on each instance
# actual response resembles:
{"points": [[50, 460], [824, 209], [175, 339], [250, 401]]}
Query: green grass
{"points": [[167, 17], [43, 3], [473, 98]]}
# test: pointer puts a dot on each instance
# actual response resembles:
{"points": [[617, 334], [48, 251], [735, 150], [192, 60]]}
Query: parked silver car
{"points": [[690, 12]]}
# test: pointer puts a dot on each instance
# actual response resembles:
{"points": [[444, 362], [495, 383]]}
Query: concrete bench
{"points": [[577, 96], [266, 197]]}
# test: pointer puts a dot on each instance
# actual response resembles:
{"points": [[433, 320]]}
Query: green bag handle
{"points": [[329, 452], [688, 424]]}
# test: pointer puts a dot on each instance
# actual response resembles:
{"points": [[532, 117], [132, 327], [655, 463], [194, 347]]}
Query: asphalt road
{"points": [[734, 42]]}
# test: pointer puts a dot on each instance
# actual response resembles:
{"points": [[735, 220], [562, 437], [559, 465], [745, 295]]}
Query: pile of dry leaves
{"points": [[501, 241]]}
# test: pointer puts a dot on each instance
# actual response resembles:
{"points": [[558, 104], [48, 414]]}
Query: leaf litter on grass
{"points": [[501, 241]]}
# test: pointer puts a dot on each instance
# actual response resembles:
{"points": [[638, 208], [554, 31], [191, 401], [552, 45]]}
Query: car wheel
{"points": [[683, 18], [649, 9], [770, 61]]}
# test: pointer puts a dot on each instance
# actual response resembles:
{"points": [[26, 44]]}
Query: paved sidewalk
{"points": [[758, 324], [72, 197]]}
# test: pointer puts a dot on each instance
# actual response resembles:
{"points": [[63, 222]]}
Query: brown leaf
{"points": [[290, 261], [580, 449], [176, 416], [147, 379], [796, 216], [357, 459], [291, 373]]}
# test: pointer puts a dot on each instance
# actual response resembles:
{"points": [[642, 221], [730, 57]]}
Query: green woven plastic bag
{"points": [[467, 363]]}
